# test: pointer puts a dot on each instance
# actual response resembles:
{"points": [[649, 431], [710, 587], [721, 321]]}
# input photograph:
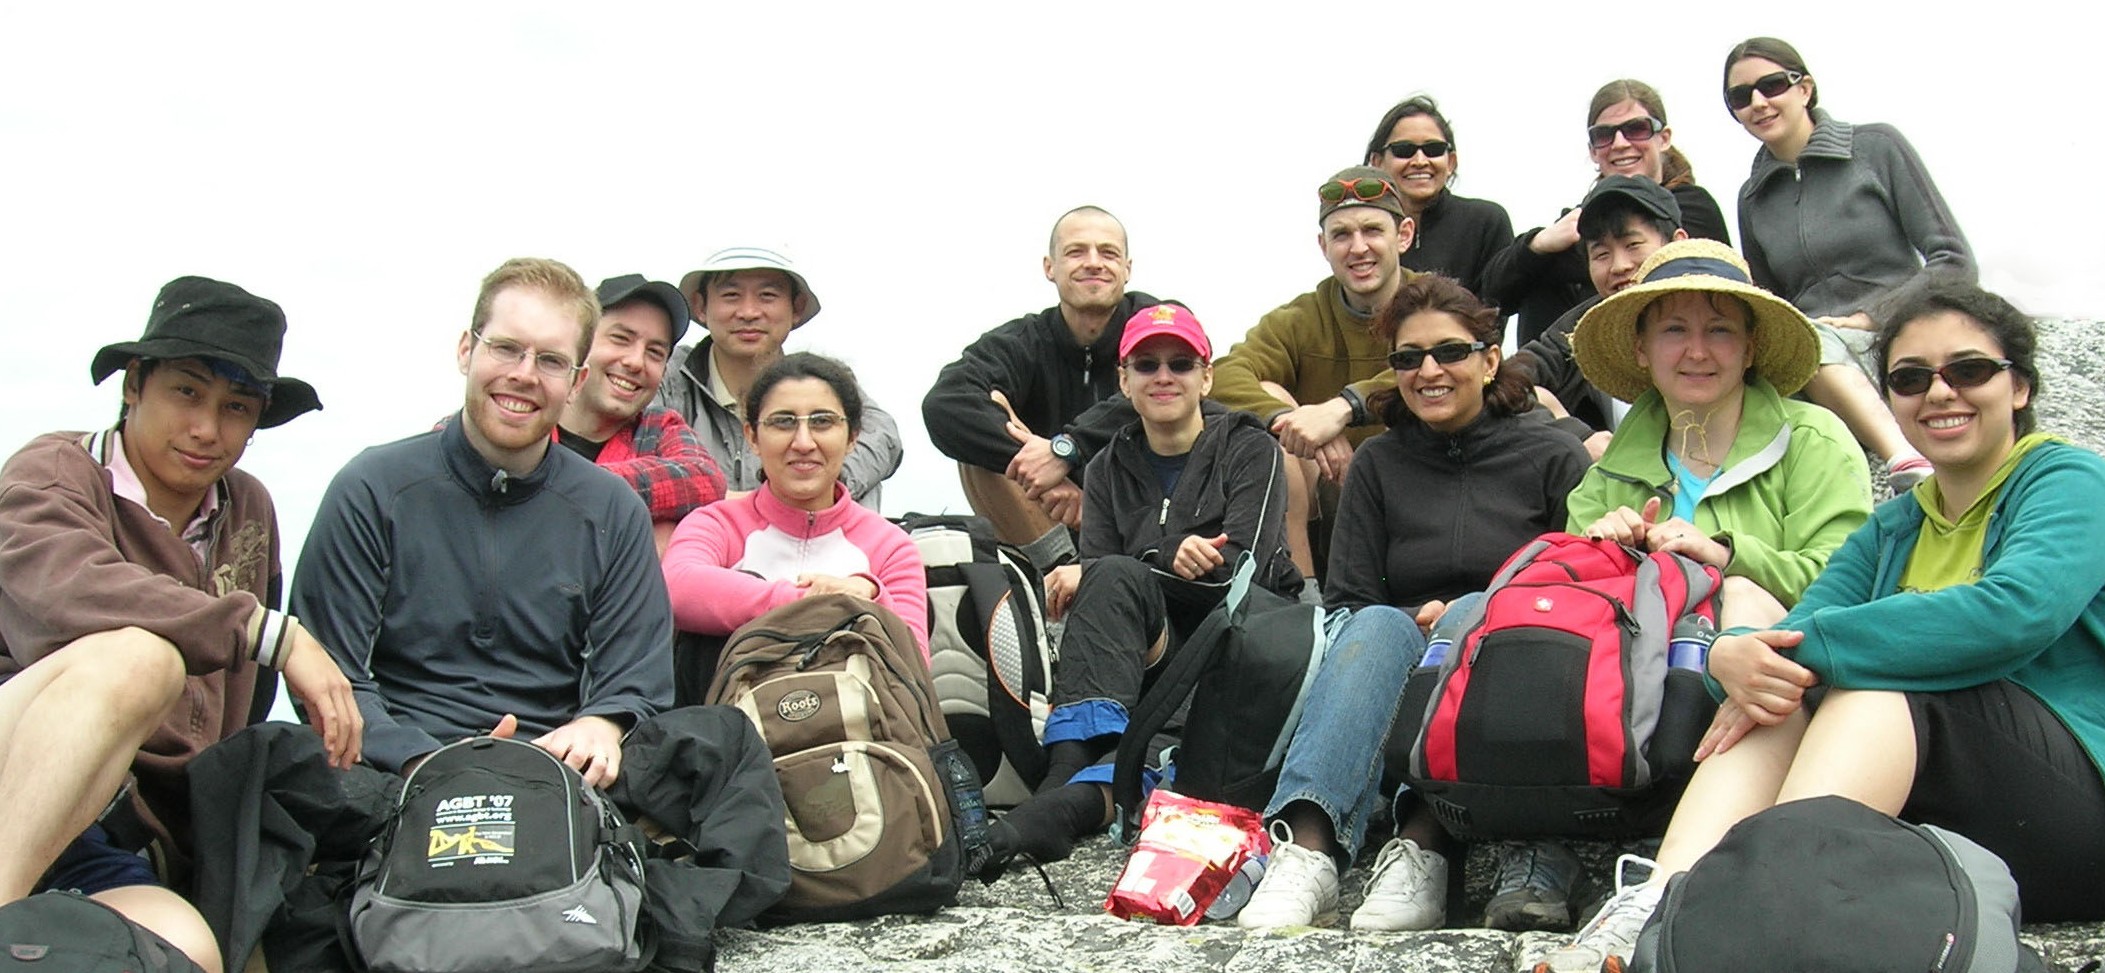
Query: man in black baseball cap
{"points": [[138, 581], [611, 420], [1622, 220]]}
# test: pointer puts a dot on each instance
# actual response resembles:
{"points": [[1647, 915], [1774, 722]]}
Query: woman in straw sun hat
{"points": [[1714, 461]]}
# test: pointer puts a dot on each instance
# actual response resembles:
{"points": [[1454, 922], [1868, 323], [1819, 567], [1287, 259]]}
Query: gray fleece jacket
{"points": [[1855, 217]]}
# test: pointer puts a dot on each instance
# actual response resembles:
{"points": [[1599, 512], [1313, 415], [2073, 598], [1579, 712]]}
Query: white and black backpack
{"points": [[501, 859], [988, 648]]}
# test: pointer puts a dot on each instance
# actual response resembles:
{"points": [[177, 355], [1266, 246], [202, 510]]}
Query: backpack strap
{"points": [[1179, 676], [990, 589]]}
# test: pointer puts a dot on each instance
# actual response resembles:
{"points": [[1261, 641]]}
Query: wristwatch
{"points": [[1063, 447]]}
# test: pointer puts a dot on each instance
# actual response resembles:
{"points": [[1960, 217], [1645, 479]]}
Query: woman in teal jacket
{"points": [[1957, 641]]}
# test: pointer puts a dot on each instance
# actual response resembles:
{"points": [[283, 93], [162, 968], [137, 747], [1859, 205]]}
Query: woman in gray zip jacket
{"points": [[1833, 217]]}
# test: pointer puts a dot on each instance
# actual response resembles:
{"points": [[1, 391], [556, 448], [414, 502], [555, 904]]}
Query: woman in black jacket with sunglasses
{"points": [[1542, 273], [1452, 235]]}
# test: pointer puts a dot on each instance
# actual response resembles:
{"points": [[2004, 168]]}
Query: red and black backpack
{"points": [[1556, 713]]}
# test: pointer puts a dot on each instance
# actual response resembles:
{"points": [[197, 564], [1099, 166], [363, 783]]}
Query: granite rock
{"points": [[1015, 924]]}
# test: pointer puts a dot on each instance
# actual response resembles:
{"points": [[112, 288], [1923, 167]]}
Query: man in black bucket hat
{"points": [[138, 575]]}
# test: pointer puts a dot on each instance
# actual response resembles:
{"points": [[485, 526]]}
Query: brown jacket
{"points": [[75, 560]]}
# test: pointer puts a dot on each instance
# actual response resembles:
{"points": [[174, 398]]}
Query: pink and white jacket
{"points": [[734, 560]]}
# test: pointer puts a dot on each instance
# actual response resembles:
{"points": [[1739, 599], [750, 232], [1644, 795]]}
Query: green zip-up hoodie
{"points": [[1793, 486]]}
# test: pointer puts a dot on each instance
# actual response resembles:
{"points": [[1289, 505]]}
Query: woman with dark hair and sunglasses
{"points": [[1542, 273], [800, 533], [1453, 235], [1949, 665], [1168, 508], [1832, 218], [1429, 510]]}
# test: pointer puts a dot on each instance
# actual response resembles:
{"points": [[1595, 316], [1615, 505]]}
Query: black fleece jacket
{"points": [[1426, 515], [1541, 287], [1457, 236], [1233, 483], [1053, 384], [1549, 362]]}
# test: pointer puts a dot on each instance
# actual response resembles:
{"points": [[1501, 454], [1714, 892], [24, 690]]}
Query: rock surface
{"points": [[1014, 924]]}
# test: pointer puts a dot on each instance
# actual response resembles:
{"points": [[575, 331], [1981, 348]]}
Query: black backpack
{"points": [[1829, 884], [66, 932], [500, 858], [1245, 672], [989, 653]]}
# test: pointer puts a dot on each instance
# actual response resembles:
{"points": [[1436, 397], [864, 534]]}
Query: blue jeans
{"points": [[1335, 759]]}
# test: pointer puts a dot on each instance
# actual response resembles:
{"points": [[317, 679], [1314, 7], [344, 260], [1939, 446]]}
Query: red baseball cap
{"points": [[1169, 319]]}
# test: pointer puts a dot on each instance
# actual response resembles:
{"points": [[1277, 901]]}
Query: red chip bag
{"points": [[1188, 851]]}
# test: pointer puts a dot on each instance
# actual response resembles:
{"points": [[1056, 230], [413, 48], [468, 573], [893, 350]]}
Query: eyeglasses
{"points": [[1634, 130], [1404, 149], [1366, 189], [820, 423], [1770, 85], [1965, 373], [1445, 353], [1181, 365], [508, 353]]}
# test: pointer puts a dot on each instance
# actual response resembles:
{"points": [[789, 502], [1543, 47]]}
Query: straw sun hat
{"points": [[1783, 346]]}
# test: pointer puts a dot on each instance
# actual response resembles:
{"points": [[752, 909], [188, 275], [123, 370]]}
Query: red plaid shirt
{"points": [[660, 455]]}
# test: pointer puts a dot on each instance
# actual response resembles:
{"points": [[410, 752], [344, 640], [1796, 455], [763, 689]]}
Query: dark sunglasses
{"points": [[1770, 85], [1634, 130], [1366, 189], [1181, 365], [1404, 149], [1965, 373], [1446, 353]]}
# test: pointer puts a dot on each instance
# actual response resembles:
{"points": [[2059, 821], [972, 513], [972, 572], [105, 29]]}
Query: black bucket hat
{"points": [[197, 317]]}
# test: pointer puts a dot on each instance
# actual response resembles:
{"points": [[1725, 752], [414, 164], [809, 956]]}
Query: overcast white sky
{"points": [[366, 164]]}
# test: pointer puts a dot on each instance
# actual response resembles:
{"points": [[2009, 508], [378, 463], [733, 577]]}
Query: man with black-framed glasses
{"points": [[1309, 365], [472, 579]]}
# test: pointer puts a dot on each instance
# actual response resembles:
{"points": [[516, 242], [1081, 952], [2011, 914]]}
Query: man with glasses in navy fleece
{"points": [[1309, 365], [473, 579]]}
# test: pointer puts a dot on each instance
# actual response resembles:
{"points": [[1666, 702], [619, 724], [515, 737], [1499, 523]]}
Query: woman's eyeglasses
{"points": [[1446, 353], [1965, 373], [820, 423], [1147, 366], [1403, 149], [1634, 130], [1770, 85]]}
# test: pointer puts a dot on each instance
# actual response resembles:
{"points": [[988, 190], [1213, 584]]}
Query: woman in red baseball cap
{"points": [[1169, 508]]}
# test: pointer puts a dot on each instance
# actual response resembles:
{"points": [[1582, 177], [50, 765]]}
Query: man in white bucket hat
{"points": [[750, 298]]}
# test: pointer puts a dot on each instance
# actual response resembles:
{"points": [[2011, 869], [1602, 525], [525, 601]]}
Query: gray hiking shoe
{"points": [[1533, 888], [1612, 932]]}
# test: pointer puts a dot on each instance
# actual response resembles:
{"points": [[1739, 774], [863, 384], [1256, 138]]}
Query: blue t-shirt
{"points": [[1168, 469], [1688, 488]]}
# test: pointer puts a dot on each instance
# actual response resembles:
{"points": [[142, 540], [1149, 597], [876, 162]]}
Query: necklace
{"points": [[1695, 440]]}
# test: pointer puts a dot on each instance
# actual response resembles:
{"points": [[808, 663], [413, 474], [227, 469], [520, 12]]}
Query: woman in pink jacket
{"points": [[798, 534]]}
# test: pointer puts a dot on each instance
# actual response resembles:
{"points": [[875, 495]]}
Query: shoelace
{"points": [[1517, 870], [1393, 857], [995, 870]]}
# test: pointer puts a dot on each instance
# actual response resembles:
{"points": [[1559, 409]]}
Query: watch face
{"points": [[1062, 447]]}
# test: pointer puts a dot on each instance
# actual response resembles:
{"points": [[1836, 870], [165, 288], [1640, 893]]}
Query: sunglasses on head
{"points": [[1365, 189], [1182, 364], [1634, 130], [1770, 85], [1965, 373], [1446, 353], [1404, 148]]}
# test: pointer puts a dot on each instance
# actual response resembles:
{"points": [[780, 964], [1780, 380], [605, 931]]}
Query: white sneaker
{"points": [[1612, 932], [1407, 891], [1300, 887]]}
